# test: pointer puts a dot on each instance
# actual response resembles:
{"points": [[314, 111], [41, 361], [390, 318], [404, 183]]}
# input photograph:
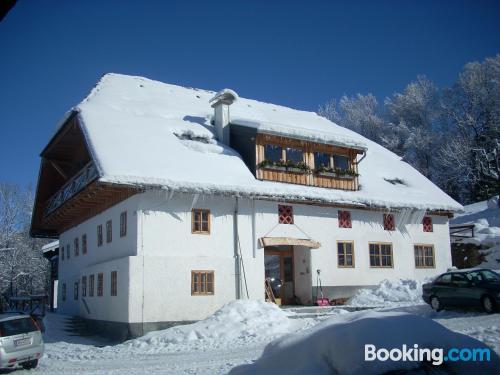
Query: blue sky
{"points": [[294, 53]]}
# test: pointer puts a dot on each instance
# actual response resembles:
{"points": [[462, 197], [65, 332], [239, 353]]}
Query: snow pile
{"points": [[337, 346], [485, 216], [389, 292], [237, 323]]}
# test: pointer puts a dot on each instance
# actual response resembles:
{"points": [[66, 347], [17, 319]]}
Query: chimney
{"points": [[220, 103]]}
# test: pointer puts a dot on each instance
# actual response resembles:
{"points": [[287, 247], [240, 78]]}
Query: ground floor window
{"points": [[202, 282], [345, 253], [114, 283], [381, 255], [424, 256], [75, 291], [100, 284]]}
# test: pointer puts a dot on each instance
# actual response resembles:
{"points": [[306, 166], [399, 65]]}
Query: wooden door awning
{"points": [[289, 241]]}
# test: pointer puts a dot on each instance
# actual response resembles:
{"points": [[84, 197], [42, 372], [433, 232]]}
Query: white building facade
{"points": [[166, 210]]}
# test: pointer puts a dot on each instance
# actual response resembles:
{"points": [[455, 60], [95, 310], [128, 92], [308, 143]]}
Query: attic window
{"points": [[294, 155], [321, 159], [427, 224], [341, 162], [345, 219], [389, 223], [273, 153], [285, 214], [395, 181]]}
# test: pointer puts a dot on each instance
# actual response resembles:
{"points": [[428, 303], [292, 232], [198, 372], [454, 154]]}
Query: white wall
{"points": [[154, 261], [72, 269]]}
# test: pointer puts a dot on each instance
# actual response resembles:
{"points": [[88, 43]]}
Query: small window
{"points": [[68, 251], [285, 214], [109, 231], [114, 283], [202, 282], [321, 159], [424, 256], [389, 223], [63, 292], [427, 224], [91, 286], [100, 284], [273, 153], [294, 155], [344, 218], [341, 162], [99, 235], [123, 224], [345, 253], [381, 255], [200, 221], [77, 247], [84, 286], [75, 290], [84, 244]]}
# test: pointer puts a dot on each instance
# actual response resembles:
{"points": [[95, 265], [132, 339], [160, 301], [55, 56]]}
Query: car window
{"points": [[17, 326], [460, 280], [489, 275], [444, 280], [475, 276]]}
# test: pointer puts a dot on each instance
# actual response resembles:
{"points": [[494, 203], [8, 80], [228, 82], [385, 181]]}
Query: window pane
{"points": [[272, 152], [321, 159], [341, 259], [349, 260], [294, 155], [340, 161], [348, 248]]}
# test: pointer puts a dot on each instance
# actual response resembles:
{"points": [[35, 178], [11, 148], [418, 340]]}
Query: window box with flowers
{"points": [[285, 166], [323, 171]]}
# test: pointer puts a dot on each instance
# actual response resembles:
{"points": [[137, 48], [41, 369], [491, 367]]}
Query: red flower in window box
{"points": [[285, 214], [427, 224], [345, 219]]}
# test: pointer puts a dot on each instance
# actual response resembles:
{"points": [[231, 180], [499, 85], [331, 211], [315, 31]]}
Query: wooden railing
{"points": [[74, 185]]}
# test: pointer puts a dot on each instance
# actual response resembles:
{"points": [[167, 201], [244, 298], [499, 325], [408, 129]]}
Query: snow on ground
{"points": [[485, 216], [236, 334], [337, 346], [389, 292]]}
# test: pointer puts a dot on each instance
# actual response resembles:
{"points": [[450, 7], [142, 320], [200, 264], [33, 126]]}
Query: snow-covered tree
{"points": [[413, 116], [359, 113], [23, 269], [471, 109]]}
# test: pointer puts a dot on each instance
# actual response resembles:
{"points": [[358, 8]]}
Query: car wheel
{"points": [[30, 364], [488, 304], [436, 303]]}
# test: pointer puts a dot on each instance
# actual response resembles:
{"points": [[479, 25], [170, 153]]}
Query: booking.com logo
{"points": [[436, 356]]}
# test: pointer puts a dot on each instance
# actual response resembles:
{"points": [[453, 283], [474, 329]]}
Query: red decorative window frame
{"points": [[389, 223], [345, 219], [427, 224], [285, 214]]}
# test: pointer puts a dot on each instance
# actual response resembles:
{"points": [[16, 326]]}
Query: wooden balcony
{"points": [[72, 187]]}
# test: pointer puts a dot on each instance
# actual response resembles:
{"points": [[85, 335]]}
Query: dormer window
{"points": [[273, 153], [322, 159], [341, 162], [294, 155]]}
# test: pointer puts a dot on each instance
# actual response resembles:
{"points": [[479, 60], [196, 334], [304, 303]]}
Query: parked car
{"points": [[21, 341], [464, 288]]}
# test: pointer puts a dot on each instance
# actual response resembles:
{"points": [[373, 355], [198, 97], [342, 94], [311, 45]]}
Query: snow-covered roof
{"points": [[148, 133], [50, 246]]}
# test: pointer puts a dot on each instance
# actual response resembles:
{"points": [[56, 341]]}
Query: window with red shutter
{"points": [[389, 222], [427, 224], [285, 214], [345, 219]]}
